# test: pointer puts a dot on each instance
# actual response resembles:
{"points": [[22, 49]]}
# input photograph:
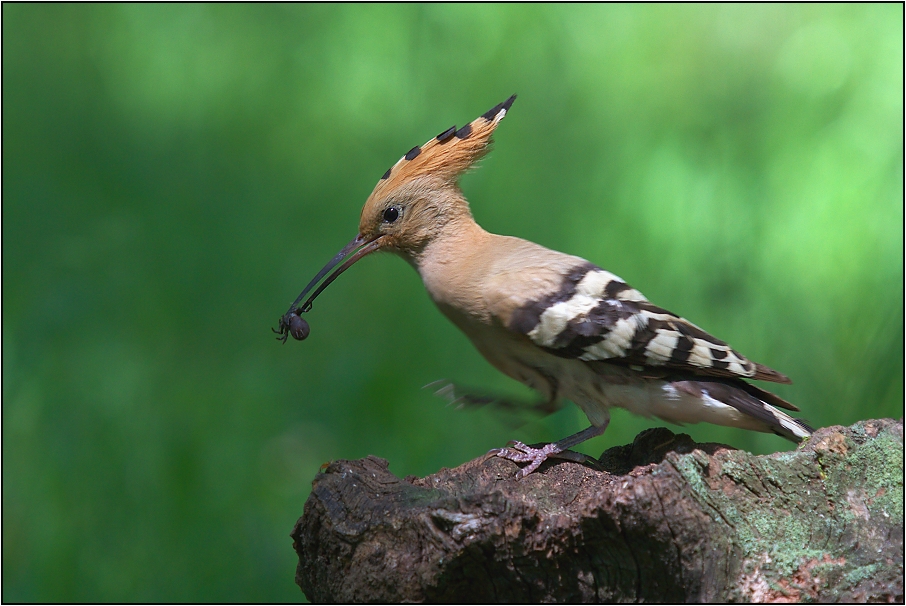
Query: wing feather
{"points": [[595, 316]]}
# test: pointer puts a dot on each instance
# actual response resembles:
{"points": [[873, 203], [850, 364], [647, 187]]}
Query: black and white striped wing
{"points": [[597, 316]]}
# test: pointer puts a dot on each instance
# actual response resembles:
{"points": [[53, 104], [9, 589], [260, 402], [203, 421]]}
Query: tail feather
{"points": [[767, 396], [752, 402]]}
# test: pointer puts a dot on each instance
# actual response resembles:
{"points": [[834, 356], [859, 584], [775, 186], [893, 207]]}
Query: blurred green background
{"points": [[173, 175]]}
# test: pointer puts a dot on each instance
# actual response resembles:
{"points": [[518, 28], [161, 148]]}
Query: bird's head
{"points": [[414, 201]]}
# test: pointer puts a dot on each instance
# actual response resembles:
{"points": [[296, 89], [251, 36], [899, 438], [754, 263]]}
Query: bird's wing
{"points": [[595, 316]]}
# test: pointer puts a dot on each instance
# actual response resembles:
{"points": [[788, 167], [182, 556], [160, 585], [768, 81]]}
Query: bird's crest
{"points": [[448, 154]]}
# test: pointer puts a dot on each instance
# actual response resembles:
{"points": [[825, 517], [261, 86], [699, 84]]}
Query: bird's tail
{"points": [[749, 400]]}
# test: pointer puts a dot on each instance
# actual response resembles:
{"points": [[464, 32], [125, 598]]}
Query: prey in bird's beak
{"points": [[292, 323]]}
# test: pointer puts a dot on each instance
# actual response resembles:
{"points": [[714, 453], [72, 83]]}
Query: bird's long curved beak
{"points": [[292, 323]]}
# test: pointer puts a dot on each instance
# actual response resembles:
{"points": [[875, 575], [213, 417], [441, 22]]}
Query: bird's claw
{"points": [[521, 453], [518, 452]]}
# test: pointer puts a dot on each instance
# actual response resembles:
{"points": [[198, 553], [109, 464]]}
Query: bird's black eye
{"points": [[391, 214]]}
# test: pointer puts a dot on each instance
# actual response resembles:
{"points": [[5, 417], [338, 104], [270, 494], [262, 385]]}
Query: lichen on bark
{"points": [[666, 520]]}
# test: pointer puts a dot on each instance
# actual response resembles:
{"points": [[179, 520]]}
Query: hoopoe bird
{"points": [[553, 321]]}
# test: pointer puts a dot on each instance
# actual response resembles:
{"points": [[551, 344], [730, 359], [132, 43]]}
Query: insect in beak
{"points": [[292, 323]]}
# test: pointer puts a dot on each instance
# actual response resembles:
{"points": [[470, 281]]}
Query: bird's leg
{"points": [[522, 453], [463, 398], [455, 397]]}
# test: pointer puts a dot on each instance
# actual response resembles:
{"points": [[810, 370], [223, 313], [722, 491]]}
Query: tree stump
{"points": [[665, 520]]}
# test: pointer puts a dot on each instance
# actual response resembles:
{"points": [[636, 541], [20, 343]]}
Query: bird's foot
{"points": [[460, 397], [522, 453], [456, 397]]}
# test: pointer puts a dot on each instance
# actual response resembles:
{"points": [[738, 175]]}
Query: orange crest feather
{"points": [[448, 154]]}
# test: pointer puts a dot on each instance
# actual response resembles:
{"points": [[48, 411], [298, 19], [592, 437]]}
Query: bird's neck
{"points": [[453, 261], [454, 244]]}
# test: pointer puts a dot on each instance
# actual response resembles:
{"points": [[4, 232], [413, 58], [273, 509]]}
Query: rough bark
{"points": [[668, 520]]}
